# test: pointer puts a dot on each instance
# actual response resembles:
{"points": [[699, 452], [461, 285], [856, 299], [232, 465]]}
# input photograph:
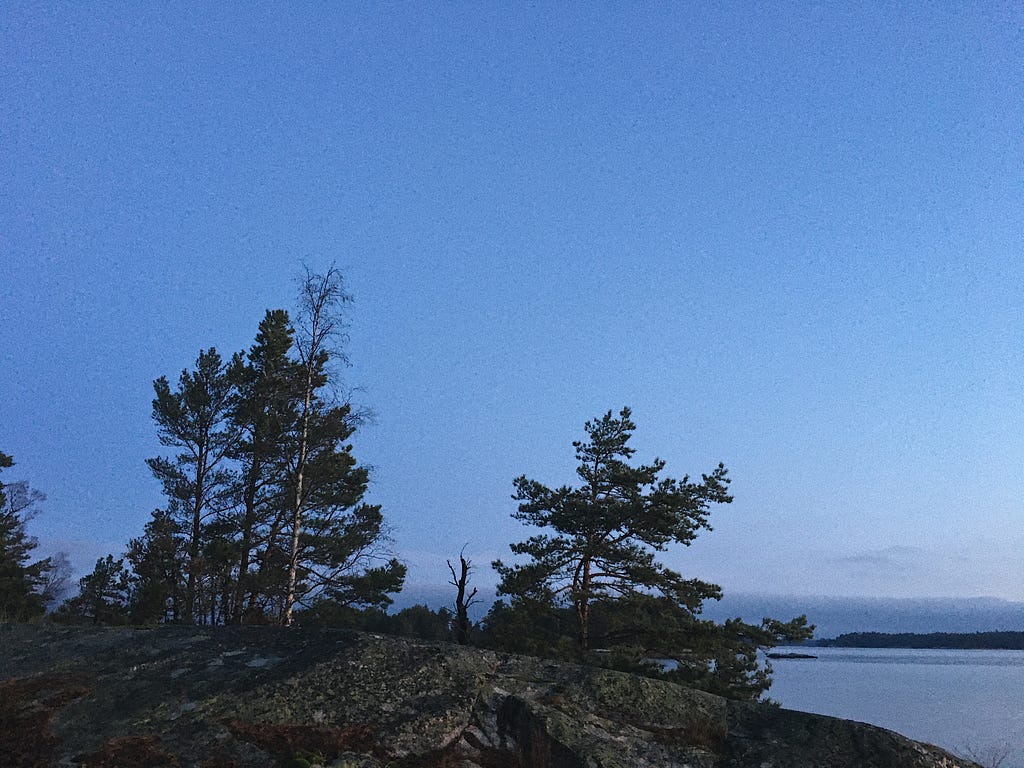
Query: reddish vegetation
{"points": [[27, 706], [283, 741], [130, 752]]}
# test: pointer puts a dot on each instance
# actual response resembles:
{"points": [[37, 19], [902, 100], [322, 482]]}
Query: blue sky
{"points": [[788, 235]]}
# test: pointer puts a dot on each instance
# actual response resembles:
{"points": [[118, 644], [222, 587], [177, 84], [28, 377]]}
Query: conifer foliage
{"points": [[265, 509], [605, 533], [194, 419], [265, 516], [102, 595], [593, 572], [26, 586]]}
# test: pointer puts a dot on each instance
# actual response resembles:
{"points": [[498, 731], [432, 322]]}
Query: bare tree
{"points": [[462, 600], [57, 579], [990, 756]]}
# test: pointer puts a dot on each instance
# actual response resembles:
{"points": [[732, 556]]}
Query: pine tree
{"points": [[606, 532], [24, 591], [266, 508], [103, 595], [596, 572], [5, 463], [157, 560], [194, 418], [267, 382], [340, 552]]}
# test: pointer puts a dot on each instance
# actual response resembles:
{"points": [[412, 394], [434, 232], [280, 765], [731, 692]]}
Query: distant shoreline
{"points": [[992, 641]]}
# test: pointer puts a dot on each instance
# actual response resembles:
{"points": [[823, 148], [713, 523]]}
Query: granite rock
{"points": [[255, 697]]}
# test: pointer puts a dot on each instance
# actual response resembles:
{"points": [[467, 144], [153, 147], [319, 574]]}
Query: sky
{"points": [[788, 236]]}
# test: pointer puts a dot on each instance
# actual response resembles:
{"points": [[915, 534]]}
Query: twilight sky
{"points": [[789, 236]]}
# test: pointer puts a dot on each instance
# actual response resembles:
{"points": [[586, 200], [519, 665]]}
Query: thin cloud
{"points": [[896, 558]]}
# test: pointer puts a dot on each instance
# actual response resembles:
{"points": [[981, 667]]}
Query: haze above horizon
{"points": [[788, 238]]}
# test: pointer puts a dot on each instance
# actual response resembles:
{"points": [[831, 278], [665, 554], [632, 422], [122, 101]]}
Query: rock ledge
{"points": [[261, 697]]}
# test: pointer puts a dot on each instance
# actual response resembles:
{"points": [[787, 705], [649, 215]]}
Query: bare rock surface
{"points": [[296, 698]]}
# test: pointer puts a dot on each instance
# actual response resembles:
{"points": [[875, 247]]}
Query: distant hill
{"points": [[833, 615]]}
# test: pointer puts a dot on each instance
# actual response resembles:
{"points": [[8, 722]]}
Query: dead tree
{"points": [[462, 600]]}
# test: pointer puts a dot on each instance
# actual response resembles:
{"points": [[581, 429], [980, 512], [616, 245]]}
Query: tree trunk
{"points": [[300, 467], [193, 544], [248, 521], [462, 601], [321, 297], [583, 609]]}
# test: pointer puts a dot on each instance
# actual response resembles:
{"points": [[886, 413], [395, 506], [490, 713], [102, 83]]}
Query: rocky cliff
{"points": [[234, 697]]}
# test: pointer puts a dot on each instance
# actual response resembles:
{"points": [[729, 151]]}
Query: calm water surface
{"points": [[959, 700]]}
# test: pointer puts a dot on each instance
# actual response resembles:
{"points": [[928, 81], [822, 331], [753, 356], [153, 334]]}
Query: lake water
{"points": [[963, 701]]}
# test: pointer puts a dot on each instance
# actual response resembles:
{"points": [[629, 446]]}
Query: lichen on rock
{"points": [[248, 697]]}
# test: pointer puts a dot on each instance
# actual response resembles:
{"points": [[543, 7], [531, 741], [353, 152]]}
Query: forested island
{"points": [[1003, 641]]}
